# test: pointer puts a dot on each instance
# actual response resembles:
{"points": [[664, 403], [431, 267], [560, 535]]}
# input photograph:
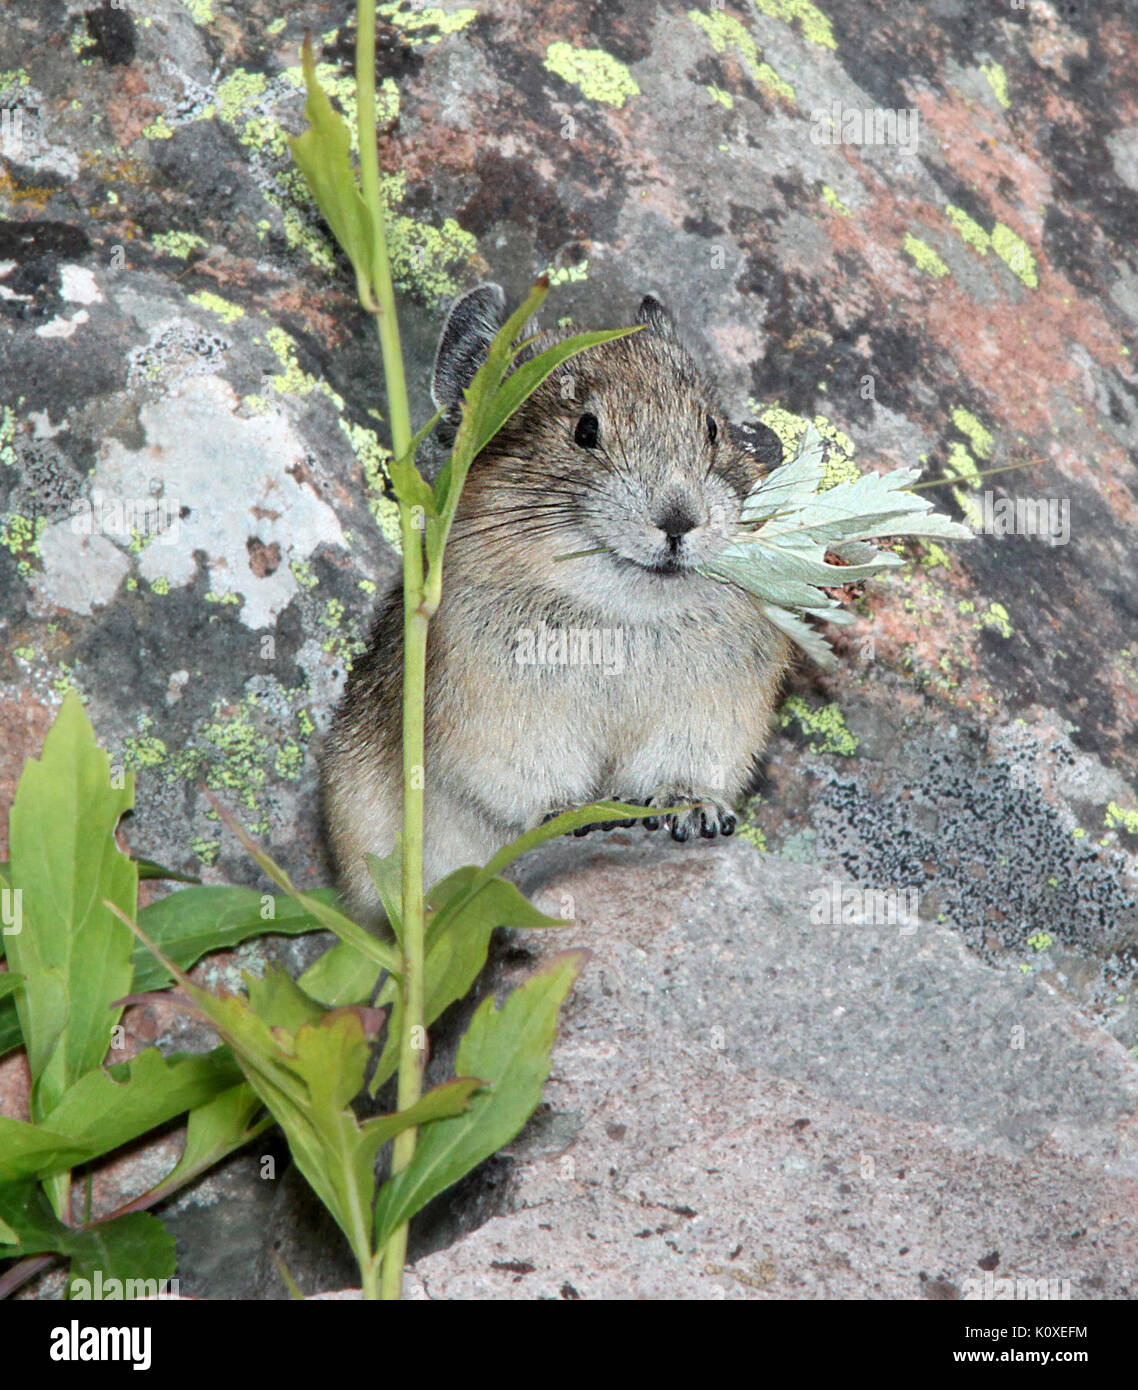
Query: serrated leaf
{"points": [[790, 523], [134, 1249], [72, 951], [510, 1050], [322, 155], [113, 1105]]}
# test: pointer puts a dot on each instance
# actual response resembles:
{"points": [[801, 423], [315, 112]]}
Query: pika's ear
{"points": [[659, 321], [471, 325]]}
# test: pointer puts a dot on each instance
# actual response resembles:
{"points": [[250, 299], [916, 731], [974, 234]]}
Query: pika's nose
{"points": [[676, 520]]}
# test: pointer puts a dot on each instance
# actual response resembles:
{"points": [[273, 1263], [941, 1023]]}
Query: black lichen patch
{"points": [[31, 241], [510, 192], [111, 30], [38, 249], [394, 56], [624, 30], [808, 348], [1003, 864]]}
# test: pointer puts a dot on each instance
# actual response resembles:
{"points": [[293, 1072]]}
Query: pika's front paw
{"points": [[708, 818]]}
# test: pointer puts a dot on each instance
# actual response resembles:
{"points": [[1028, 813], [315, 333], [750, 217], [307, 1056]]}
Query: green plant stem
{"points": [[398, 410], [412, 1052]]}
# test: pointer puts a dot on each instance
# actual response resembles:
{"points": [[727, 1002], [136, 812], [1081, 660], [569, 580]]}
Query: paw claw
{"points": [[679, 827]]}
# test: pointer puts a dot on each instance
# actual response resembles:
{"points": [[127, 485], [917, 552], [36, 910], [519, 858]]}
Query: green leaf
{"points": [[341, 976], [28, 1151], [9, 982], [510, 1050], [307, 1078], [524, 381], [188, 924], [322, 155], [347, 930], [149, 869], [387, 875], [458, 942], [135, 1249], [478, 397], [219, 1127], [475, 880], [72, 951], [10, 1035], [279, 1000], [111, 1106], [408, 483]]}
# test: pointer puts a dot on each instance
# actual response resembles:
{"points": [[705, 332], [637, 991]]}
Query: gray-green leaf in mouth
{"points": [[788, 525]]}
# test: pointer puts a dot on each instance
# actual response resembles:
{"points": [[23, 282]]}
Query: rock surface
{"points": [[176, 333], [746, 1103]]}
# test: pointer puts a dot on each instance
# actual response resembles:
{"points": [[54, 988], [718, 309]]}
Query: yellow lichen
{"points": [[178, 244], [969, 230], [924, 257], [816, 28], [725, 31], [979, 437], [832, 200], [225, 311], [595, 73], [412, 23], [998, 81], [1015, 254]]}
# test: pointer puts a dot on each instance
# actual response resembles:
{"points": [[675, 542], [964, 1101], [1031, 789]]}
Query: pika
{"points": [[577, 654]]}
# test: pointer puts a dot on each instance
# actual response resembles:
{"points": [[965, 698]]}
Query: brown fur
{"points": [[508, 743]]}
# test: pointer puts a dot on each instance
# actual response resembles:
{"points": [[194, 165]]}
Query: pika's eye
{"points": [[586, 432], [712, 430]]}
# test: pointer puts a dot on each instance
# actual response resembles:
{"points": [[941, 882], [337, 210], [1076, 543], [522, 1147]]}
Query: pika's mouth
{"points": [[670, 564]]}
